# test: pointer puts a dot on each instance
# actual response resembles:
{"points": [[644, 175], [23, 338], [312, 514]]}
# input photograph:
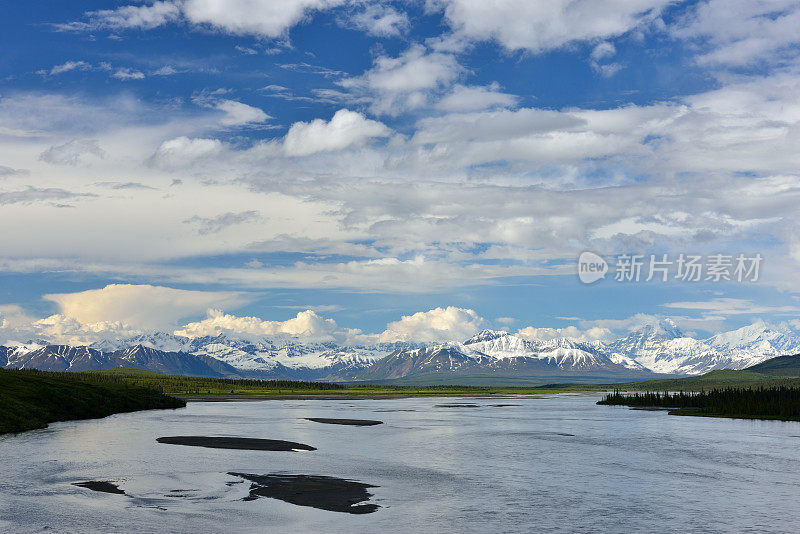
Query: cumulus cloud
{"points": [[140, 306], [268, 18], [182, 151], [265, 18], [738, 33], [18, 326], [438, 324], [476, 98], [144, 17], [345, 129], [306, 324], [378, 20], [396, 84], [601, 53], [240, 114], [75, 152], [542, 26]]}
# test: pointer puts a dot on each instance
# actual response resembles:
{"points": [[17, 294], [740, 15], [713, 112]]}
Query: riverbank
{"points": [[32, 399], [209, 389]]}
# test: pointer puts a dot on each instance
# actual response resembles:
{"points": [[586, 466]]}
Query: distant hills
{"points": [[781, 366], [656, 350]]}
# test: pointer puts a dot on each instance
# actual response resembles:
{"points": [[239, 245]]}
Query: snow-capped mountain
{"points": [[500, 354], [664, 348], [658, 348], [562, 352]]}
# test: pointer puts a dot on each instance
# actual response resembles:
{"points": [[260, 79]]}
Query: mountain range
{"points": [[654, 350]]}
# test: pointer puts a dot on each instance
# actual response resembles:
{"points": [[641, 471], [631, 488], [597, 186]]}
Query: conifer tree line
{"points": [[778, 402]]}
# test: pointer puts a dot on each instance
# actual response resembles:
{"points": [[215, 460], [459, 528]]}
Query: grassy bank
{"points": [[191, 386], [32, 399], [781, 403]]}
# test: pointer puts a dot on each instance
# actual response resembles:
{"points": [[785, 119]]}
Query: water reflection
{"points": [[551, 464]]}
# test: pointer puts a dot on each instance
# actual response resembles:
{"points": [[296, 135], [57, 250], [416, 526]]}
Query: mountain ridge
{"points": [[653, 349]]}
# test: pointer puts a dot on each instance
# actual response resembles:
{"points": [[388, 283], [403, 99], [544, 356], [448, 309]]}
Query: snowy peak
{"points": [[486, 335], [758, 336], [662, 329], [659, 347]]}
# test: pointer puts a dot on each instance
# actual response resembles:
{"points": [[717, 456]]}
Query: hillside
{"points": [[780, 366], [775, 372], [32, 399]]}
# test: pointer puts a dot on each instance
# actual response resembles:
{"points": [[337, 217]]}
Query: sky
{"points": [[366, 170]]}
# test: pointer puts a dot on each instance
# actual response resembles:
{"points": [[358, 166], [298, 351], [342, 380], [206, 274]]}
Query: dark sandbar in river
{"points": [[349, 422], [227, 442], [325, 493]]}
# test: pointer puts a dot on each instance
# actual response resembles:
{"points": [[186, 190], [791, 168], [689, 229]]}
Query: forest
{"points": [[780, 402]]}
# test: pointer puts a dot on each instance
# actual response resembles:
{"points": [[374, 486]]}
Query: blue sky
{"points": [[366, 161]]}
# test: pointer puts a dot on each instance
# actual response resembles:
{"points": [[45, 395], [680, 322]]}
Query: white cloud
{"points": [[183, 151], [542, 26], [143, 17], [476, 98], [126, 74], [75, 152], [571, 332], [13, 317], [17, 326], [307, 324], [723, 306], [265, 18], [600, 53], [240, 114], [68, 66], [268, 18], [603, 50], [166, 70], [140, 306], [397, 84], [438, 324], [345, 129], [742, 32], [379, 20]]}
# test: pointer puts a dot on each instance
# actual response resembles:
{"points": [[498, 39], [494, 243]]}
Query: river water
{"points": [[555, 463]]}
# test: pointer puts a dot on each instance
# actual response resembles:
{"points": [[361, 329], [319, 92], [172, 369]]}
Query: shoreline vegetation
{"points": [[780, 403], [31, 399], [203, 388]]}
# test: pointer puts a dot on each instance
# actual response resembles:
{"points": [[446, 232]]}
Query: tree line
{"points": [[779, 402]]}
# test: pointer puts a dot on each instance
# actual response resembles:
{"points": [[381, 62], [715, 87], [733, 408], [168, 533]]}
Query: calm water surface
{"points": [[550, 464]]}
